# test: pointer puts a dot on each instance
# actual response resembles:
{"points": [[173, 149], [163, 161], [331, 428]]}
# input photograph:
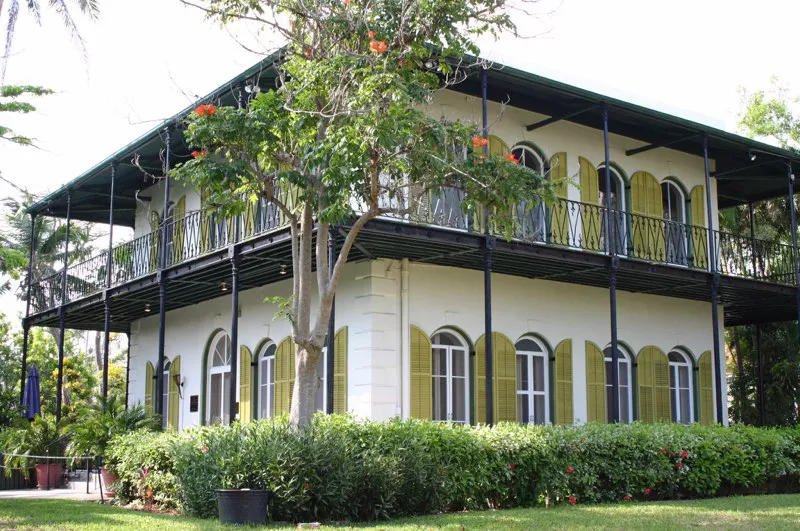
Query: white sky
{"points": [[147, 59]]}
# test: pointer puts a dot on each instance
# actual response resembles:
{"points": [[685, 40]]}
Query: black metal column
{"points": [[106, 296], [233, 252], [62, 313], [487, 269], [753, 260], [793, 221], [162, 283], [128, 368], [760, 390], [712, 262], [25, 326], [612, 275], [331, 339]]}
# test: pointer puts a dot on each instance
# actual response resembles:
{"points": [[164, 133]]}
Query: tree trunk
{"points": [[98, 350], [306, 383]]}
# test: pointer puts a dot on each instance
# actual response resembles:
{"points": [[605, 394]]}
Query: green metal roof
{"points": [[740, 180]]}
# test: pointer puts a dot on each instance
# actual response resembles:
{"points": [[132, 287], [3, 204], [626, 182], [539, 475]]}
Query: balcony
{"points": [[567, 224]]}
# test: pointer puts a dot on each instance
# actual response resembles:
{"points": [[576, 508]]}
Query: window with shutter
{"points": [[266, 379], [589, 212], [699, 236], [149, 389], [245, 384], [504, 390], [340, 372], [625, 375], [173, 410], [705, 377], [654, 393], [647, 221], [595, 384], [421, 370], [533, 397], [681, 388], [563, 383], [559, 224], [284, 375]]}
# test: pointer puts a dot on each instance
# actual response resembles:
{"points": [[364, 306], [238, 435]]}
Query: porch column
{"points": [[25, 326], [753, 261], [106, 296], [760, 388], [612, 275], [162, 283], [712, 254], [233, 253], [487, 269], [62, 313], [128, 367], [793, 221], [330, 362]]}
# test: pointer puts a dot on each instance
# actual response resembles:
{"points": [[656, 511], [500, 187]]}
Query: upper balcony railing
{"points": [[567, 224]]}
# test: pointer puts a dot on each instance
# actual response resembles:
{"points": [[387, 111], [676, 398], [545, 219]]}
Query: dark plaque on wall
{"points": [[193, 400]]}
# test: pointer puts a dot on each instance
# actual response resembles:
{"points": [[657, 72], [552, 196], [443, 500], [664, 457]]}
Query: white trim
{"points": [[165, 393], [625, 362], [530, 392], [220, 369], [260, 358], [450, 351], [675, 392]]}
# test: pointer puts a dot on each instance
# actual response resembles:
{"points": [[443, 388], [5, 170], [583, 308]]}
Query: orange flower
{"points": [[479, 141], [371, 34], [378, 46], [511, 158], [205, 110], [199, 154]]}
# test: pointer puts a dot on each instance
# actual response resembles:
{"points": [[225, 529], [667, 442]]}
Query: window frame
{"points": [[222, 370], [675, 392], [530, 392], [679, 256], [620, 213], [264, 355], [626, 358], [165, 394], [464, 350]]}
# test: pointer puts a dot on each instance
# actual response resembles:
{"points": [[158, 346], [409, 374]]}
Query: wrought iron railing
{"points": [[567, 223]]}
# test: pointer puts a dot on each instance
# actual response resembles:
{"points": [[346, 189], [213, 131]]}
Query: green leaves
{"points": [[11, 92]]}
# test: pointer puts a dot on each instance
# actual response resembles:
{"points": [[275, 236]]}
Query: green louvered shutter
{"points": [[284, 375], [421, 380], [179, 222], [563, 382], [647, 223], [245, 384], [174, 406], [589, 212], [699, 239], [480, 380], [653, 376], [559, 213], [504, 362], [595, 384], [706, 383], [340, 371], [148, 389], [155, 238]]}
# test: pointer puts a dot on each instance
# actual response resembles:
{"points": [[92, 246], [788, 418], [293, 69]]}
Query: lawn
{"points": [[772, 512]]}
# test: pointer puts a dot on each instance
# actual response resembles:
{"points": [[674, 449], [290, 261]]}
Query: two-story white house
{"points": [[411, 310]]}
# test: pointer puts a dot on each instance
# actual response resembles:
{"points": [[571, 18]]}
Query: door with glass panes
{"points": [[450, 378], [532, 407]]}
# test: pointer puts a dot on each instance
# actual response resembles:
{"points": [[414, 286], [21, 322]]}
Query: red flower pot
{"points": [[109, 478], [48, 476]]}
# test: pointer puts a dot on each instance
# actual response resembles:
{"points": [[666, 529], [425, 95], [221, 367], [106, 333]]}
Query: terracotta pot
{"points": [[48, 476], [109, 478]]}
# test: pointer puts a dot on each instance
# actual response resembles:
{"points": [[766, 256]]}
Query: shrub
{"points": [[340, 468]]}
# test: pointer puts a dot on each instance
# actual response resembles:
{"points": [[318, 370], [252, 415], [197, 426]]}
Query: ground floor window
{"points": [[266, 381], [680, 387], [219, 379], [450, 378], [165, 394], [625, 390], [532, 382], [321, 397]]}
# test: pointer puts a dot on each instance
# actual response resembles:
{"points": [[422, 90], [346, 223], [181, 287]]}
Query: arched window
{"points": [[165, 394], [321, 397], [450, 377], [532, 382], [266, 381], [680, 387], [219, 379], [530, 215], [625, 387], [170, 233], [674, 206], [618, 205]]}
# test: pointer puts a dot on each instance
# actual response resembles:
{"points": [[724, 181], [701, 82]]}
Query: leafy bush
{"points": [[340, 468], [26, 441]]}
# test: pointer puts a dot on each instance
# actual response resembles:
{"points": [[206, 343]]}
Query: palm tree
{"points": [[61, 7]]}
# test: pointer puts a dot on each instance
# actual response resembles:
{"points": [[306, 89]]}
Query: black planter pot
{"points": [[242, 506]]}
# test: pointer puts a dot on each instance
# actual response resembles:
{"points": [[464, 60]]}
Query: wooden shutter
{"points": [[559, 213], [340, 371], [595, 384], [589, 212], [173, 414], [284, 375], [245, 384], [179, 223], [155, 238], [699, 239], [563, 383], [705, 379], [654, 395], [148, 389], [504, 390], [421, 369], [647, 225]]}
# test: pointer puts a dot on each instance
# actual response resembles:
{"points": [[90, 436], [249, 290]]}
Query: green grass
{"points": [[752, 512]]}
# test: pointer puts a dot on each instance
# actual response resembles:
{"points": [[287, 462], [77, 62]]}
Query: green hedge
{"points": [[344, 469]]}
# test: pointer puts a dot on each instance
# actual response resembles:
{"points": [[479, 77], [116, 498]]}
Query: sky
{"points": [[148, 59]]}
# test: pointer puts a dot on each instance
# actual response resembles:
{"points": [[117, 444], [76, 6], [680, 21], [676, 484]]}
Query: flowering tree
{"points": [[345, 130]]}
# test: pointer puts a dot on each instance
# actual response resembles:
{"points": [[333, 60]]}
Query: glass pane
{"points": [[683, 377], [538, 373], [439, 362], [538, 408], [459, 399], [672, 370], [522, 373], [608, 374], [522, 409], [271, 405], [623, 373], [674, 356], [443, 338], [215, 389], [685, 403], [439, 398], [624, 415], [528, 345], [319, 396], [226, 398], [609, 399], [459, 362]]}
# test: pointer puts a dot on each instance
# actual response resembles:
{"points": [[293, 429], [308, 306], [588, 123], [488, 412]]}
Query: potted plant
{"points": [[96, 424], [32, 443], [242, 506]]}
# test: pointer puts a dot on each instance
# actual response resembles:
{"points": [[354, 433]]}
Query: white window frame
{"points": [[530, 392], [529, 151], [675, 392], [222, 369], [622, 206], [450, 351], [165, 393], [264, 358], [323, 384], [625, 363], [680, 225], [538, 220]]}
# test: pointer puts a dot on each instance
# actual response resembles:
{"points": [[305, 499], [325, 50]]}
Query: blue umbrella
{"points": [[30, 400]]}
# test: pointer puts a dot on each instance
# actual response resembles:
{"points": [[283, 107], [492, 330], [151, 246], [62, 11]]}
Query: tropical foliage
{"points": [[27, 442], [94, 425]]}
